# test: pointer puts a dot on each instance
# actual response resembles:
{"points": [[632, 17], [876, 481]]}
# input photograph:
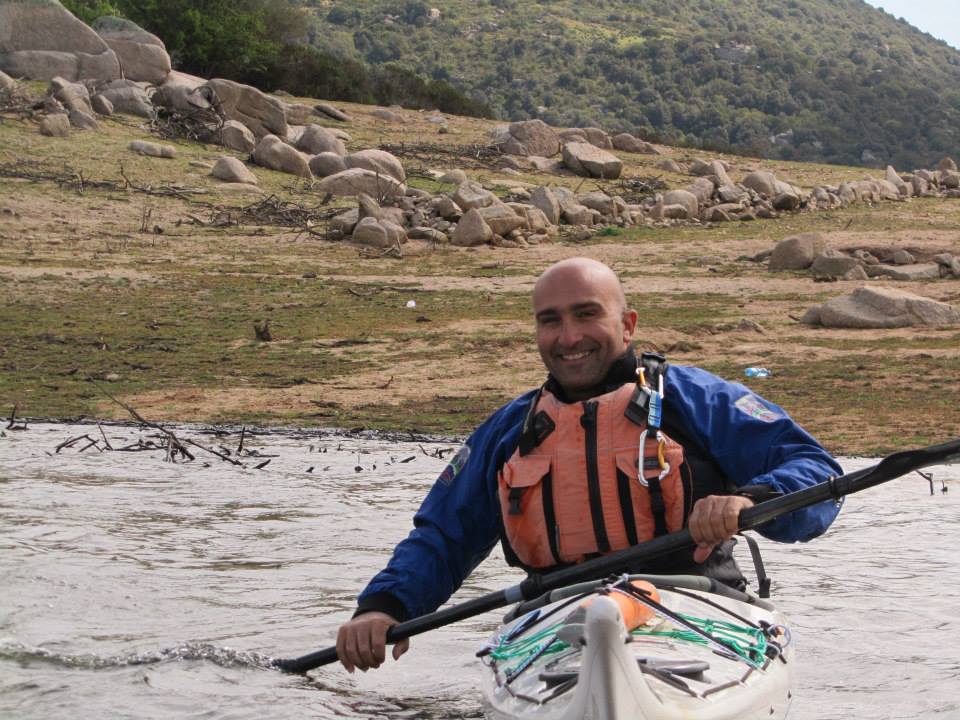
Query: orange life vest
{"points": [[576, 490]]}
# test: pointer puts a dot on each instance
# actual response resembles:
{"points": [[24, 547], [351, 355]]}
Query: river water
{"points": [[131, 587]]}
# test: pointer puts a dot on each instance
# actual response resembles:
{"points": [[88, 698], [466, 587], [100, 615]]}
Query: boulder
{"points": [[590, 161], [472, 194], [130, 99], [684, 198], [702, 188], [950, 179], [331, 112], [229, 169], [528, 137], [377, 161], [599, 201], [598, 138], [834, 264], [787, 201], [262, 114], [797, 252], [318, 139], [273, 153], [670, 165], [354, 181], [453, 177], [471, 230], [387, 115], [762, 182], [236, 136], [142, 55], [101, 105], [152, 149], [300, 114], [535, 220], [7, 83], [55, 125], [732, 193], [73, 96], [544, 199], [345, 222], [893, 178], [327, 163], [906, 273], [83, 121], [947, 163], [378, 233], [879, 307], [40, 40], [501, 219], [631, 144], [183, 97], [902, 257]]}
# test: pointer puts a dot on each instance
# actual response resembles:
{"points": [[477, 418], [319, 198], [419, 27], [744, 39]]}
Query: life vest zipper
{"points": [[589, 423]]}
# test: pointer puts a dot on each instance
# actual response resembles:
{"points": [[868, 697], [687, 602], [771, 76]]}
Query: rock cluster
{"points": [[811, 252]]}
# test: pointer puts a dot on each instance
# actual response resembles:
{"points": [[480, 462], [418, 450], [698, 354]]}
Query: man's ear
{"points": [[629, 324]]}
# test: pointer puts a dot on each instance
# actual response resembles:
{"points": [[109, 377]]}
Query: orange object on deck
{"points": [[632, 610]]}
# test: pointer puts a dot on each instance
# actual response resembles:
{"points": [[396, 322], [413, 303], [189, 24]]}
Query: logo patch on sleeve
{"points": [[756, 409], [455, 465]]}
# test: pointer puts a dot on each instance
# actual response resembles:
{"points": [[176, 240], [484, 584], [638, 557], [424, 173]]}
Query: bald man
{"points": [[610, 451]]}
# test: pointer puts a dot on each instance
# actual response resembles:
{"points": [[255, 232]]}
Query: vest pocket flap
{"points": [[627, 463], [526, 471]]}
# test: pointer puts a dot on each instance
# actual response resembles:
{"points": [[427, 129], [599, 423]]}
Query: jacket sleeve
{"points": [[754, 442], [455, 528]]}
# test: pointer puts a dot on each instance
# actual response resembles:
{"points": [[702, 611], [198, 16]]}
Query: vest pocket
{"points": [[526, 506]]}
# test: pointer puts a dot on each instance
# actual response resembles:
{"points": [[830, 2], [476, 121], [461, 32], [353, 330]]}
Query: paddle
{"points": [[890, 468]]}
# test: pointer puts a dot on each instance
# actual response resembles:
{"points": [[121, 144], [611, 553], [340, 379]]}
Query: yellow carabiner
{"points": [[660, 447]]}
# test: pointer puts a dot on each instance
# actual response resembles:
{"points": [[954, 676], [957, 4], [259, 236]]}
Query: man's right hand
{"points": [[362, 642]]}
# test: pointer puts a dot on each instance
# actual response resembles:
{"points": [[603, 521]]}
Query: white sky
{"points": [[940, 18]]}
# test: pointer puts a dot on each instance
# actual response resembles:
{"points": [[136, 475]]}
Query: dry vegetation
{"points": [[140, 274]]}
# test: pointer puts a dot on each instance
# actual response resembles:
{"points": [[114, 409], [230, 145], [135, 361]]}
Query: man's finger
{"points": [[400, 648], [342, 653]]}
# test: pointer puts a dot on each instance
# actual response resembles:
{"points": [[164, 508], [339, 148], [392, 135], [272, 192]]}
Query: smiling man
{"points": [[611, 451]]}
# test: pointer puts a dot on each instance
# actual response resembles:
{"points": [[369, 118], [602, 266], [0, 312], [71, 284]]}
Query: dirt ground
{"points": [[137, 295]]}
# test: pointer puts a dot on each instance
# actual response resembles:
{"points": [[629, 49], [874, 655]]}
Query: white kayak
{"points": [[647, 648]]}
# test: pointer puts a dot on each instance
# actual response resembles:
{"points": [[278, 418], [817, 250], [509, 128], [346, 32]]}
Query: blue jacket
{"points": [[751, 440]]}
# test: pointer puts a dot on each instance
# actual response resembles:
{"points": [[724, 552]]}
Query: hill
{"points": [[833, 81]]}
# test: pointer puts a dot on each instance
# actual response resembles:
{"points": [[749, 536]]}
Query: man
{"points": [[601, 457]]}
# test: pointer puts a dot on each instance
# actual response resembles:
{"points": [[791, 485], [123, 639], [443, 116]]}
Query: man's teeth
{"points": [[576, 356]]}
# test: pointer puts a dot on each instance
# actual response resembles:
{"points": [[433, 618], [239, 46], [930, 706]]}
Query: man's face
{"points": [[582, 327]]}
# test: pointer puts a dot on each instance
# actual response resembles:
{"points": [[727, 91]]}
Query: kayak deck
{"points": [[692, 655]]}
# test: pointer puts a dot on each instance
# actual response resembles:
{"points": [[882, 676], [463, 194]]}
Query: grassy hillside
{"points": [[826, 80]]}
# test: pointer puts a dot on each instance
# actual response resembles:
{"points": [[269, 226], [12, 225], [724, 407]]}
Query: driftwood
{"points": [[473, 156]]}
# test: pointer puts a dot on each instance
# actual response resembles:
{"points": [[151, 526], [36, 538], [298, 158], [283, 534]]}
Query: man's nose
{"points": [[570, 333]]}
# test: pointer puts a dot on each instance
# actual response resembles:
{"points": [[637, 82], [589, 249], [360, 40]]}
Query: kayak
{"points": [[641, 647]]}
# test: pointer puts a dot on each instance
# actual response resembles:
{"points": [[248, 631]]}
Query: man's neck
{"points": [[623, 370]]}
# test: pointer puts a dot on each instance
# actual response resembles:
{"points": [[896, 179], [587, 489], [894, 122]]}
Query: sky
{"points": [[940, 18]]}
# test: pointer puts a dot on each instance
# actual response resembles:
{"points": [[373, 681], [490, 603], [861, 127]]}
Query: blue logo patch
{"points": [[455, 465]]}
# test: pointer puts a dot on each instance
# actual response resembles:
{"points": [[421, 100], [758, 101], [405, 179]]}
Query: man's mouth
{"points": [[572, 357]]}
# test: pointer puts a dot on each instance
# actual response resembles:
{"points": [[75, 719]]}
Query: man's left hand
{"points": [[714, 519]]}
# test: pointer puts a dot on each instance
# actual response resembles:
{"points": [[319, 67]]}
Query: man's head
{"points": [[583, 323]]}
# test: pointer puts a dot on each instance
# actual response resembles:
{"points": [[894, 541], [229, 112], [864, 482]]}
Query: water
{"points": [[131, 587]]}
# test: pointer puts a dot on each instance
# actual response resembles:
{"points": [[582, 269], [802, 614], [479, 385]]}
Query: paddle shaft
{"points": [[891, 467]]}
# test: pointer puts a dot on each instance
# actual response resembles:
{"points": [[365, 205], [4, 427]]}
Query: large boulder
{"points": [[685, 199], [236, 136], [378, 233], [40, 40], [272, 152], [264, 115], [767, 184], [797, 252], [229, 169], [588, 160], [501, 218], [327, 163], [57, 125], [73, 96], [544, 199], [317, 139], [472, 194], [127, 97], [142, 55], [471, 230], [626, 142], [376, 161], [879, 307], [354, 181], [528, 137]]}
